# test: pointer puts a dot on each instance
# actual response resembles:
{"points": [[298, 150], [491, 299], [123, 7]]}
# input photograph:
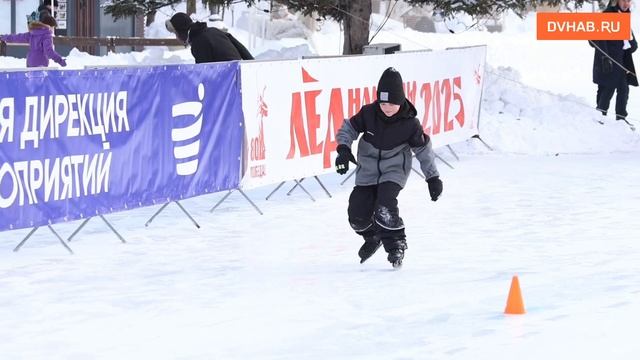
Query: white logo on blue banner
{"points": [[187, 155]]}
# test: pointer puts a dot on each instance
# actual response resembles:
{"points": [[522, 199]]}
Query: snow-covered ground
{"points": [[556, 204], [287, 285]]}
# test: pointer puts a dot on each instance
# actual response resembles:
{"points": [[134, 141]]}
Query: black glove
{"points": [[607, 65], [344, 156], [435, 187]]}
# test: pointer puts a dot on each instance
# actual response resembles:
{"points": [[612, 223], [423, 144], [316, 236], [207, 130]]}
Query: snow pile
{"points": [[286, 28], [294, 52], [8, 62], [519, 119], [150, 56], [79, 60]]}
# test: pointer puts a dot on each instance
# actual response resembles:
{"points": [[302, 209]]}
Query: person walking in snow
{"points": [[613, 69], [207, 44], [40, 40], [390, 132]]}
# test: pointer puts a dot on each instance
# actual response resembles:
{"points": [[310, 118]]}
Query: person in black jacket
{"points": [[45, 8], [207, 44], [613, 68], [390, 132]]}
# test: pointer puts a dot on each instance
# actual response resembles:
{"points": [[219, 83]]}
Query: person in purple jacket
{"points": [[40, 40]]}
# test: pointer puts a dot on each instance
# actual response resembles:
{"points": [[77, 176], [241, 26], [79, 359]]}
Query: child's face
{"points": [[389, 109]]}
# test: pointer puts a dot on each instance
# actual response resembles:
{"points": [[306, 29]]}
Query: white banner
{"points": [[293, 109]]}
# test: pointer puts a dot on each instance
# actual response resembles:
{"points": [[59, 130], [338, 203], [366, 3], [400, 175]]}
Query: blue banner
{"points": [[75, 144]]}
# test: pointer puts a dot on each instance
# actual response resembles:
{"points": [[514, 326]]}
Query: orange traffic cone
{"points": [[515, 305]]}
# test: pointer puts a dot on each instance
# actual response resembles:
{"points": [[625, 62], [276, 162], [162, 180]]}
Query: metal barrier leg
{"points": [[181, 208], [303, 189], [85, 223], [322, 186], [295, 186], [353, 172], [187, 213], [417, 172], [274, 190], [60, 238], [112, 229], [245, 196], [221, 201], [54, 233], [482, 141], [453, 152], [78, 229], [444, 161], [156, 214], [250, 202], [25, 239]]}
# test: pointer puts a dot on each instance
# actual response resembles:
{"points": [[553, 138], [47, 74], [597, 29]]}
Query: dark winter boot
{"points": [[396, 256], [370, 246], [395, 244], [624, 119]]}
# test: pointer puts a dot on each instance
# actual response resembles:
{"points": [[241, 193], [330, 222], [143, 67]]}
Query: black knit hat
{"points": [[179, 24], [47, 4], [390, 87], [49, 20]]}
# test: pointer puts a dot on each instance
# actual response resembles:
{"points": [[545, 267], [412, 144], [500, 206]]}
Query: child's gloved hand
{"points": [[435, 187], [62, 62], [342, 161]]}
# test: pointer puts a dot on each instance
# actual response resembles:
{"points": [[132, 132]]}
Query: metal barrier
{"points": [[109, 42]]}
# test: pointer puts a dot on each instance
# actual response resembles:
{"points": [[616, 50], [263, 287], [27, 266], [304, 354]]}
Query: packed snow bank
{"points": [[520, 119], [294, 52]]}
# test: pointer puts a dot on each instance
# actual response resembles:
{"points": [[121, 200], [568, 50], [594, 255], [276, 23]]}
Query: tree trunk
{"points": [[356, 26], [138, 30], [151, 17], [214, 9], [191, 7]]}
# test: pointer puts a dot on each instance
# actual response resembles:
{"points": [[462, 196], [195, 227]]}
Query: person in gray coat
{"points": [[391, 132]]}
